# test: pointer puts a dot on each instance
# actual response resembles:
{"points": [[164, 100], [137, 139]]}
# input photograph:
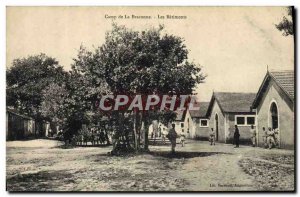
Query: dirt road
{"points": [[39, 165]]}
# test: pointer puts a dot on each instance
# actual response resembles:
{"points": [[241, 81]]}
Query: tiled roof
{"points": [[285, 79], [234, 101], [201, 113]]}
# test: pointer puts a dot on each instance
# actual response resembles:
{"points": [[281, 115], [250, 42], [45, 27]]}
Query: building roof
{"points": [[201, 113], [236, 102], [284, 79], [15, 112]]}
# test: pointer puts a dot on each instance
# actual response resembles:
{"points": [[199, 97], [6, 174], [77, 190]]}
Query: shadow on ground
{"points": [[164, 154], [39, 181], [186, 155], [63, 146]]}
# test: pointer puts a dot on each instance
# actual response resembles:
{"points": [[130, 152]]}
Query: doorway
{"points": [[217, 126], [274, 115]]}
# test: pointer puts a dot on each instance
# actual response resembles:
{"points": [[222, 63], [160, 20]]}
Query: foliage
{"points": [[286, 25], [132, 62], [141, 62], [52, 105], [26, 80]]}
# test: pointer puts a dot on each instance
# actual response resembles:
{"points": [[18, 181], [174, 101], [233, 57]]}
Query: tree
{"points": [[147, 62], [286, 25], [26, 80]]}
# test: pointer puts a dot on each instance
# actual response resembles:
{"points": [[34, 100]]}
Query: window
{"points": [[250, 120], [240, 120], [204, 123], [245, 120], [182, 125]]}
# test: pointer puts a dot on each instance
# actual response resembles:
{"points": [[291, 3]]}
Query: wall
{"points": [[285, 111], [216, 110], [178, 127], [245, 135], [193, 126], [17, 127], [29, 127], [188, 125], [201, 133]]}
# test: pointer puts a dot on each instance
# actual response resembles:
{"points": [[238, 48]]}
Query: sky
{"points": [[233, 45]]}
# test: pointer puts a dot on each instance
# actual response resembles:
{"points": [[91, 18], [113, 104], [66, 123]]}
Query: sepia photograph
{"points": [[150, 99]]}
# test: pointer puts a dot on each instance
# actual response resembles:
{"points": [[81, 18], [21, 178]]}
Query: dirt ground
{"points": [[41, 165]]}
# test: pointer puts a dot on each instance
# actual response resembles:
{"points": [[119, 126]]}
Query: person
{"points": [[270, 138], [265, 135], [172, 135], [102, 136], [163, 136], [50, 134], [212, 137], [253, 135], [182, 138], [236, 136], [159, 131]]}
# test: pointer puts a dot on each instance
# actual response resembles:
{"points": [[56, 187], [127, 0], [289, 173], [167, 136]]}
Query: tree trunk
{"points": [[138, 125], [145, 132], [135, 131]]}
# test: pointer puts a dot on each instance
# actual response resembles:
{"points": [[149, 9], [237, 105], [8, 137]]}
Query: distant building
{"points": [[179, 121], [196, 122], [227, 109], [274, 105], [20, 126]]}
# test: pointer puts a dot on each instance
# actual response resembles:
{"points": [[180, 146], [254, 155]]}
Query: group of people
{"points": [[270, 137], [95, 136]]}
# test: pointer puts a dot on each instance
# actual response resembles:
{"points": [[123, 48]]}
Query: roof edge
{"points": [[268, 74]]}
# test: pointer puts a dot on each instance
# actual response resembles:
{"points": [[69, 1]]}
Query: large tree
{"points": [[26, 80], [140, 62]]}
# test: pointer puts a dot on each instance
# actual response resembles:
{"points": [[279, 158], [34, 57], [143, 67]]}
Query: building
{"points": [[196, 123], [227, 109], [179, 121], [274, 105], [18, 126]]}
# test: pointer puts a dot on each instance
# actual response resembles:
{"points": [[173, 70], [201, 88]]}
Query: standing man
{"points": [[265, 136], [159, 131], [236, 136], [182, 138], [172, 135], [163, 136], [253, 135], [271, 138], [212, 137]]}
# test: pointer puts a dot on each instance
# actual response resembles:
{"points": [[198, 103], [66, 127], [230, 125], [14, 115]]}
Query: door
{"points": [[217, 126]]}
